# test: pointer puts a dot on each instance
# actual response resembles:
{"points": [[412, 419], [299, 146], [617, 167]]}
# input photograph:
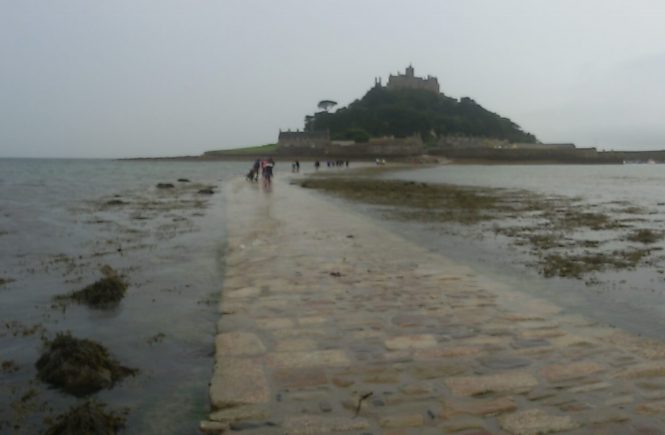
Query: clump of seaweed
{"points": [[574, 266], [157, 338], [115, 202], [546, 241], [439, 202], [79, 366], [4, 281], [87, 418], [8, 366], [554, 227], [645, 236], [104, 293], [573, 219]]}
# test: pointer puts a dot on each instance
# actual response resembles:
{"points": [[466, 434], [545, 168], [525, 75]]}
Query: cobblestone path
{"points": [[330, 323]]}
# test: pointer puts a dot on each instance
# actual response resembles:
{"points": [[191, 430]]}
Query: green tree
{"points": [[404, 112], [326, 104]]}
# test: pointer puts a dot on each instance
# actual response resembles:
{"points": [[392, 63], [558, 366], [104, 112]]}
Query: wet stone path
{"points": [[331, 324]]}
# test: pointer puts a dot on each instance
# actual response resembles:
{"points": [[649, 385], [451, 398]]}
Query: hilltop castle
{"points": [[314, 141], [409, 81]]}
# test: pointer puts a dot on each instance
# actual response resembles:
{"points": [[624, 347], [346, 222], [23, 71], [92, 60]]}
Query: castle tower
{"points": [[409, 81]]}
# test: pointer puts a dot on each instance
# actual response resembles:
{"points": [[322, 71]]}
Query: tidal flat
{"points": [[566, 238], [133, 230]]}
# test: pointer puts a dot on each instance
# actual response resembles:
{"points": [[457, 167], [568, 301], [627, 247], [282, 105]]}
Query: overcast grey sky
{"points": [[81, 78]]}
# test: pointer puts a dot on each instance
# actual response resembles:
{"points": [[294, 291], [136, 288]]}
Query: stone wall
{"points": [[544, 146], [577, 155], [471, 142], [314, 139], [484, 142]]}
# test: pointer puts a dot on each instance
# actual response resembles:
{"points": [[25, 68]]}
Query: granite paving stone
{"points": [[237, 382], [311, 425], [239, 344], [562, 372], [507, 382], [479, 407], [536, 422], [410, 342], [402, 420]]}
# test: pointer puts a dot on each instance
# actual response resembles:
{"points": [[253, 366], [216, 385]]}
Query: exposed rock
{"points": [[88, 418], [165, 185], [115, 202], [183, 180], [79, 366], [206, 191]]}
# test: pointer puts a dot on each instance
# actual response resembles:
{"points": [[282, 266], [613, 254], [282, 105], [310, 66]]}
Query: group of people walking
{"points": [[332, 163], [264, 168]]}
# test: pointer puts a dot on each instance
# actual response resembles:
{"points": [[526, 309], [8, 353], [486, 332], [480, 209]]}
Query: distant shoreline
{"points": [[486, 156]]}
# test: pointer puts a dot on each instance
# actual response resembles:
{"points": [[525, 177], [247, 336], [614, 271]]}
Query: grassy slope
{"points": [[261, 149]]}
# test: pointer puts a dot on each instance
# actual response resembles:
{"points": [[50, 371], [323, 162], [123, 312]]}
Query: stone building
{"points": [[311, 139], [409, 81]]}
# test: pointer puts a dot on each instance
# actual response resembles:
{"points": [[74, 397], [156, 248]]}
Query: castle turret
{"points": [[409, 81]]}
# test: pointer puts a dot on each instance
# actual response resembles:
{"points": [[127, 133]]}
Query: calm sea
{"points": [[57, 229]]}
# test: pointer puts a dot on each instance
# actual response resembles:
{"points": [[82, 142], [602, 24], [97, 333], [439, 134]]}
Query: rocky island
{"points": [[410, 117]]}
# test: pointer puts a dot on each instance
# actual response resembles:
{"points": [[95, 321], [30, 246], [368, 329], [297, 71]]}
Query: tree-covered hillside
{"points": [[404, 112]]}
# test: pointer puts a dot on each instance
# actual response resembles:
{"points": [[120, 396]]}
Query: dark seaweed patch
{"points": [[79, 366], [104, 293], [645, 236], [91, 417]]}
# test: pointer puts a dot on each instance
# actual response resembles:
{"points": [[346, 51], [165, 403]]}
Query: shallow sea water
{"points": [[632, 299], [55, 234]]}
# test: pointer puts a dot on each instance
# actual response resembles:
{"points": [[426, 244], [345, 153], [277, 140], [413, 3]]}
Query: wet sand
{"points": [[330, 323]]}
